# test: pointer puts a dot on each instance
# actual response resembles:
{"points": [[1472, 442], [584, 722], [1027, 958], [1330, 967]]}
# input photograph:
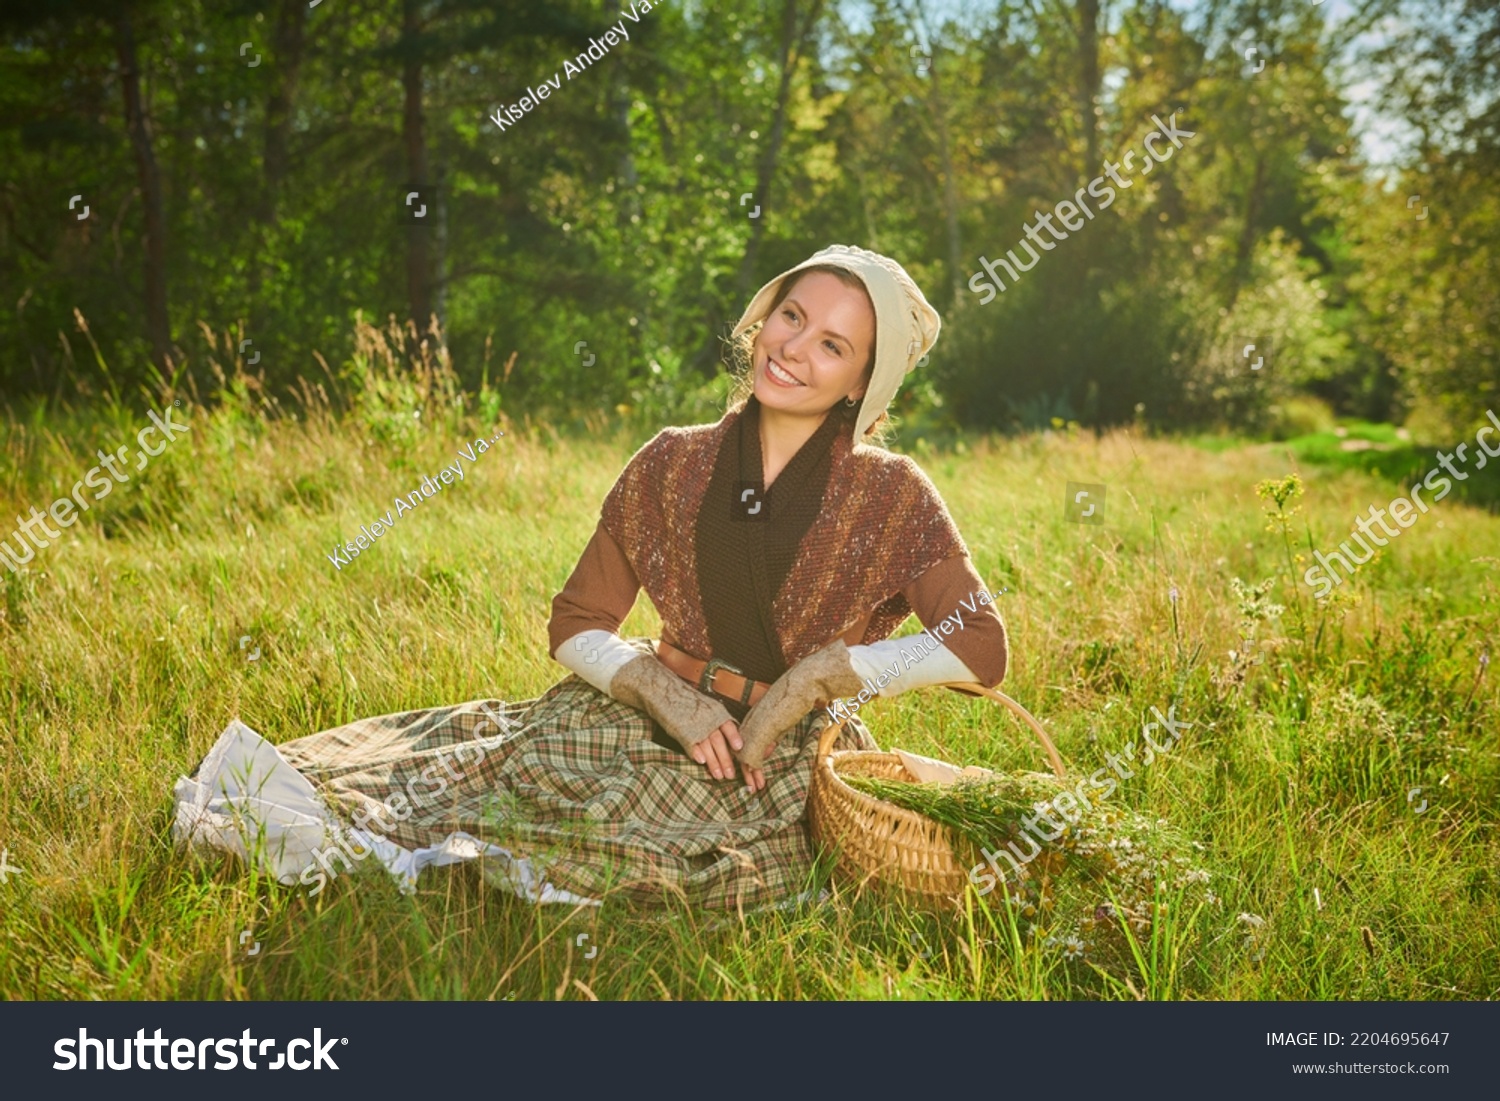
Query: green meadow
{"points": [[121, 662]]}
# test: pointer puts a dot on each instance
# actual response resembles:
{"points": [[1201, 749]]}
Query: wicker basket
{"points": [[877, 840]]}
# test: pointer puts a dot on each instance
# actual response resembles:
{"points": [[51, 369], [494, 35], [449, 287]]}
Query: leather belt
{"points": [[718, 677]]}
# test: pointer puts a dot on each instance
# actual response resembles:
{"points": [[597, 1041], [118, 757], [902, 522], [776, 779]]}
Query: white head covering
{"points": [[905, 325]]}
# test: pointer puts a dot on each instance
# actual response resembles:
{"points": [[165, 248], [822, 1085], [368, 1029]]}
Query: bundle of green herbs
{"points": [[1081, 874]]}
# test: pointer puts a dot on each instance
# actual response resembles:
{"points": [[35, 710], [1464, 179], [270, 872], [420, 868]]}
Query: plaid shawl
{"points": [[882, 526]]}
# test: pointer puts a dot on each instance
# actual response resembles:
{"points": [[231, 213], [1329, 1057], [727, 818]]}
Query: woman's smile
{"points": [[780, 376]]}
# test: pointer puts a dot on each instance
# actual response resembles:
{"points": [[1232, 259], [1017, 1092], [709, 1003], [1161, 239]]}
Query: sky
{"points": [[1385, 140]]}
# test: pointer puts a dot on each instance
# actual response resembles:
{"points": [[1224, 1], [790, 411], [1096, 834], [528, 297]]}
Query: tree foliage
{"points": [[247, 168]]}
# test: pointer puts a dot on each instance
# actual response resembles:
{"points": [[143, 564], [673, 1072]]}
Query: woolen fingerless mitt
{"points": [[817, 680], [683, 711]]}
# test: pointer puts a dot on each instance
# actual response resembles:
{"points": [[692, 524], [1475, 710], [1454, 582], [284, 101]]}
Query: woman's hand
{"points": [[684, 713], [821, 677], [714, 752]]}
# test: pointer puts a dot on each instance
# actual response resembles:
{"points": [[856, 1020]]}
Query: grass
{"points": [[120, 661], [1381, 450]]}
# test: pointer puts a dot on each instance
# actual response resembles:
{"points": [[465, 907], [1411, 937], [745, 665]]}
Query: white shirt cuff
{"points": [[917, 661], [596, 656]]}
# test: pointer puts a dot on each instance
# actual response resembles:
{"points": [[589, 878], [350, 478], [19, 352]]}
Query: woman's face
{"points": [[813, 349]]}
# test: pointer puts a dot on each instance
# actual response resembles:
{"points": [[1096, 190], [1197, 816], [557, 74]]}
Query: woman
{"points": [[780, 550]]}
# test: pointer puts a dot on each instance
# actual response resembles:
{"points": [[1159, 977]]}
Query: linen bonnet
{"points": [[906, 326]]}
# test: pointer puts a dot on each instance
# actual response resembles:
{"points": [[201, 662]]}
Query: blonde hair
{"points": [[742, 354]]}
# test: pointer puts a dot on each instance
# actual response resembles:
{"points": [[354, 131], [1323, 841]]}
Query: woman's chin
{"points": [[772, 396], [768, 395]]}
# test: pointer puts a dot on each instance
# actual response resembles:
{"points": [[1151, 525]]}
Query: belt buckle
{"points": [[706, 679]]}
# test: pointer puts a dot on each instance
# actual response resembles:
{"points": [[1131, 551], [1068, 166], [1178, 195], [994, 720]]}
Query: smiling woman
{"points": [[771, 608]]}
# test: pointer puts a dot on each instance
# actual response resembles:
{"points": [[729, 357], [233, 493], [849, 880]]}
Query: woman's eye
{"points": [[832, 347], [789, 313]]}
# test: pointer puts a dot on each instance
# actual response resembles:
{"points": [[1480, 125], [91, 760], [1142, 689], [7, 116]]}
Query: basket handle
{"points": [[831, 731]]}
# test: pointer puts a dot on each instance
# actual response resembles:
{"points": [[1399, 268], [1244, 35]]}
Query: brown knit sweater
{"points": [[883, 544]]}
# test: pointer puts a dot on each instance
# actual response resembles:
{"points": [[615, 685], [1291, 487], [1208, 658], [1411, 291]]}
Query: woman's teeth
{"points": [[781, 376]]}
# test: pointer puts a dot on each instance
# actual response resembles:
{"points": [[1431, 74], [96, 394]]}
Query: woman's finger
{"points": [[724, 757], [731, 731], [711, 753], [711, 756]]}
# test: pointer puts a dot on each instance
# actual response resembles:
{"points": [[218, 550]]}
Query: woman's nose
{"points": [[794, 346]]}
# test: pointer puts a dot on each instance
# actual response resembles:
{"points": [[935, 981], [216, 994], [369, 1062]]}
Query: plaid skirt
{"points": [[574, 781]]}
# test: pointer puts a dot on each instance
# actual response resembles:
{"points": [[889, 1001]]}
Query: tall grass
{"points": [[121, 662]]}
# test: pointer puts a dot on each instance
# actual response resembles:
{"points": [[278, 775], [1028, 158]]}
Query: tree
{"points": [[138, 126]]}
